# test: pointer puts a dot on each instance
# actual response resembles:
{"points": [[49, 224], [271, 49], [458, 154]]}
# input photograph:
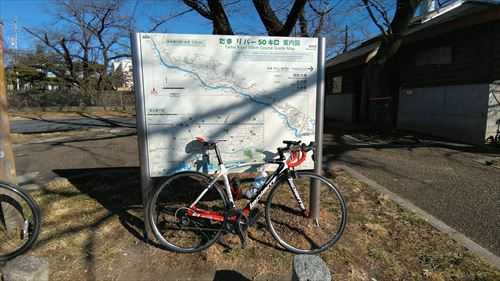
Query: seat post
{"points": [[217, 153]]}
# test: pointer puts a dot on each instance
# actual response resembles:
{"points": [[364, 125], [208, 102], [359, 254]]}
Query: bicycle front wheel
{"points": [[171, 216], [20, 221], [293, 227]]}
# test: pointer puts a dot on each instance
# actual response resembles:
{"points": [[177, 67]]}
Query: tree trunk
{"points": [[375, 78], [372, 86], [220, 21]]}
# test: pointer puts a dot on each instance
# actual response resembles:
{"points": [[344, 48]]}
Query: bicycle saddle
{"points": [[287, 142], [206, 142]]}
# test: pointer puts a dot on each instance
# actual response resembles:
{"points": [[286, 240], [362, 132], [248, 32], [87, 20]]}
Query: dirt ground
{"points": [[93, 231]]}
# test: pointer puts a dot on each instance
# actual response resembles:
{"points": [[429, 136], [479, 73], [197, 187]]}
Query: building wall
{"points": [[474, 57], [495, 58], [492, 123], [454, 112], [339, 107]]}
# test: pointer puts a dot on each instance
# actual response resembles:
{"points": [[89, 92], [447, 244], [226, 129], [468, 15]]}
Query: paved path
{"points": [[447, 181], [109, 148], [36, 125]]}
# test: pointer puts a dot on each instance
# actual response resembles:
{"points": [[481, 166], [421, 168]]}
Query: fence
{"points": [[63, 99]]}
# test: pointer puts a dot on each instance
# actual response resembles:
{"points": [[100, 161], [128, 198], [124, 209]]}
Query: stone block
{"points": [[26, 268], [310, 268]]}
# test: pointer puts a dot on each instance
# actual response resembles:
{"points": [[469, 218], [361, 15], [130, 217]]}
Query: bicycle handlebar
{"points": [[294, 146]]}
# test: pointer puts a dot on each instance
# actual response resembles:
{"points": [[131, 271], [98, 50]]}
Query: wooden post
{"points": [[7, 164], [10, 218]]}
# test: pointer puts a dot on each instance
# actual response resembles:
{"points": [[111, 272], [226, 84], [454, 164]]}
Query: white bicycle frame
{"points": [[270, 181]]}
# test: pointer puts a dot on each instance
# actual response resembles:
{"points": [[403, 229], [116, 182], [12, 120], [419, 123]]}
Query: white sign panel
{"points": [[252, 92]]}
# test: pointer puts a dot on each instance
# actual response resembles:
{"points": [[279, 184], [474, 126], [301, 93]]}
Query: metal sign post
{"points": [[146, 182], [320, 102]]}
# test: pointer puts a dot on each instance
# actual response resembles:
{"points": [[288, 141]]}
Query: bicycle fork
{"points": [[296, 194]]}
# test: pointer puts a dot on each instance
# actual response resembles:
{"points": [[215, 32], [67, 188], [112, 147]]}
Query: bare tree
{"points": [[214, 11], [91, 34], [305, 18], [314, 19], [392, 33]]}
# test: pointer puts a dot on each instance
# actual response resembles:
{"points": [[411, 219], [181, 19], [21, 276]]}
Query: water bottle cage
{"points": [[235, 189]]}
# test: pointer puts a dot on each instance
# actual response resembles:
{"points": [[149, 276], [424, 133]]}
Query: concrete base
{"points": [[26, 268]]}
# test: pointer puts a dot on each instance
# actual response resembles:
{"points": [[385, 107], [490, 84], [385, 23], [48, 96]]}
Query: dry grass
{"points": [[91, 232]]}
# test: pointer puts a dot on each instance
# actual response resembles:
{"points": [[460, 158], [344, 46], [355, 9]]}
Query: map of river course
{"points": [[249, 92]]}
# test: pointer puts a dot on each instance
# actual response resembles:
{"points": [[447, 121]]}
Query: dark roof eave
{"points": [[421, 33]]}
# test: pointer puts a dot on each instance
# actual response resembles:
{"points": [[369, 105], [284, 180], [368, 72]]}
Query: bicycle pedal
{"points": [[241, 227], [242, 234], [243, 240]]}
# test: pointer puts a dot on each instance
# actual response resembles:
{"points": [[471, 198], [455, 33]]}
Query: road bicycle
{"points": [[190, 210], [20, 221]]}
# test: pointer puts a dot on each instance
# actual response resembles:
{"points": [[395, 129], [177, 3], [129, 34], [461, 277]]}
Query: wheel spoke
{"points": [[292, 228], [171, 224], [20, 221]]}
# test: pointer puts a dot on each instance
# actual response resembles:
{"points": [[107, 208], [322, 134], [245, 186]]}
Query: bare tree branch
{"points": [[383, 13], [163, 21], [368, 5], [303, 24], [322, 15], [200, 8]]}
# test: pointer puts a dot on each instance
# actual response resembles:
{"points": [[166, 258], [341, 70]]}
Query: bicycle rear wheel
{"points": [[292, 227], [170, 217], [20, 221]]}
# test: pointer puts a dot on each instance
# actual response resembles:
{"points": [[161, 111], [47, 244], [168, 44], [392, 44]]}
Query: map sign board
{"points": [[251, 91]]}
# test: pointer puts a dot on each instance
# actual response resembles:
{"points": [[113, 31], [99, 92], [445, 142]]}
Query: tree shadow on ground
{"points": [[344, 137], [86, 121], [119, 191]]}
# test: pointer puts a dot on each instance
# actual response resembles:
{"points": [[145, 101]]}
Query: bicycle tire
{"points": [[10, 194], [219, 203], [283, 221]]}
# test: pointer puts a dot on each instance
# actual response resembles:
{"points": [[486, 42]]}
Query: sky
{"points": [[39, 13], [17, 14]]}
